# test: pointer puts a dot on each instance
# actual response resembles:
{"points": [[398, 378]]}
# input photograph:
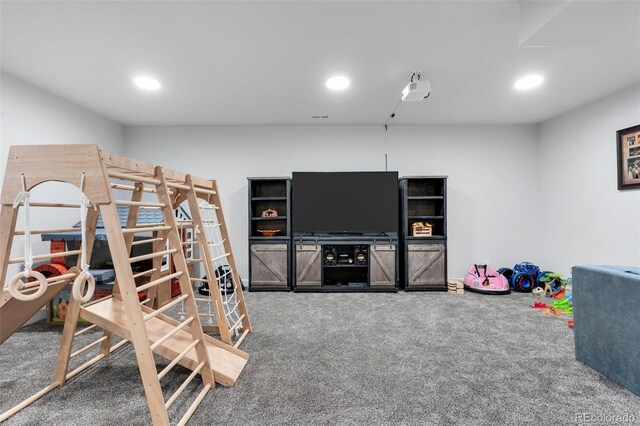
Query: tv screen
{"points": [[345, 202]]}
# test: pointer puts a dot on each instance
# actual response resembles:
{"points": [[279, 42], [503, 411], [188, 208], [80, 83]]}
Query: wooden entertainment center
{"points": [[412, 259]]}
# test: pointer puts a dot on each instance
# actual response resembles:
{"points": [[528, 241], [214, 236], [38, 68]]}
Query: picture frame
{"points": [[628, 148]]}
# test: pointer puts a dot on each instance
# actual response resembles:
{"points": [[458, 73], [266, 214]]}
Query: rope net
{"points": [[223, 281]]}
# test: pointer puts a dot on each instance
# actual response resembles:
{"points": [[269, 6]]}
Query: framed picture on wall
{"points": [[628, 141]]}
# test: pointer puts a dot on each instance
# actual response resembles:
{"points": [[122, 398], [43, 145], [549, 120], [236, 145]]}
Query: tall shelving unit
{"points": [[269, 266], [424, 260]]}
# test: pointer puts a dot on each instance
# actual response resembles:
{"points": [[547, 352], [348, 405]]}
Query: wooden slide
{"points": [[14, 313]]}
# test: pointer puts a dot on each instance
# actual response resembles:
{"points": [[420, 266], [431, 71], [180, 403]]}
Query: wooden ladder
{"points": [[126, 301], [211, 196]]}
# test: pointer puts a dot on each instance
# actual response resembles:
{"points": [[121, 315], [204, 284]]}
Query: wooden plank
{"points": [[14, 313], [227, 362], [42, 163]]}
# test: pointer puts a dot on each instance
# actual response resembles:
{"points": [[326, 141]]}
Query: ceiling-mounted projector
{"points": [[416, 90]]}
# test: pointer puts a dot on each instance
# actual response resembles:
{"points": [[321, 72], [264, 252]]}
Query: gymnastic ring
{"points": [[14, 287], [79, 284]]}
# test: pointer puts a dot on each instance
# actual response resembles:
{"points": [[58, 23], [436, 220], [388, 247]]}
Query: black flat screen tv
{"points": [[345, 202]]}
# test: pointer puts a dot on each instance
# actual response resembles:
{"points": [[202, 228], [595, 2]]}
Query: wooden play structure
{"points": [[134, 313]]}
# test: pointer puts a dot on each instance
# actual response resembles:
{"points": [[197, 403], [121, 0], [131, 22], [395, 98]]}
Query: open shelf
{"points": [[424, 201], [268, 198], [270, 218]]}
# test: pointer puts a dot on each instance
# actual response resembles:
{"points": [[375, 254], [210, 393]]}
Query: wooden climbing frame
{"points": [[144, 323], [230, 312]]}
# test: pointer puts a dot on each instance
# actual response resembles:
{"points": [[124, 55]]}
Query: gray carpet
{"points": [[407, 358]]}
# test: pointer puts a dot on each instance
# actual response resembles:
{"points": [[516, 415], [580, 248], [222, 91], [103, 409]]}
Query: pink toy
{"points": [[483, 279]]}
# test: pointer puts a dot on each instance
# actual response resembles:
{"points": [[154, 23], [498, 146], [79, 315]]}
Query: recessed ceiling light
{"points": [[529, 82], [338, 82], [145, 82]]}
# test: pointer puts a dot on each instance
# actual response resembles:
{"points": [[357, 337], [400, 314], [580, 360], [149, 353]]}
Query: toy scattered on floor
{"points": [[550, 284], [538, 305], [570, 324], [523, 277], [565, 304], [483, 279], [555, 311], [455, 287]]}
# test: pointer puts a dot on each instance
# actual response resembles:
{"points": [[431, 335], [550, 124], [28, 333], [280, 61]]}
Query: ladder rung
{"points": [[177, 359], [193, 261], [194, 405], [167, 336], [209, 207], [152, 255], [241, 338], [165, 307], [222, 256], [47, 256], [49, 231], [147, 272], [131, 188], [199, 280], [215, 225], [146, 229], [236, 324], [200, 299], [133, 178], [51, 280], [178, 185], [204, 191], [84, 330], [158, 281], [61, 205], [213, 243], [148, 240], [184, 385], [190, 243], [89, 346], [139, 203], [150, 224]]}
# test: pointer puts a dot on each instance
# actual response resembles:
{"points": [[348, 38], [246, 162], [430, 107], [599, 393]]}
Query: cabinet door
{"points": [[426, 266], [382, 266], [308, 265], [269, 265]]}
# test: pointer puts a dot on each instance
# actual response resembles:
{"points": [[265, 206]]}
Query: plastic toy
{"points": [[523, 277], [565, 304], [538, 305], [550, 283], [555, 311], [483, 279]]}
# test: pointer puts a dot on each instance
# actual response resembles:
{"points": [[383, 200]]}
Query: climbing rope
{"points": [[16, 284], [84, 278]]}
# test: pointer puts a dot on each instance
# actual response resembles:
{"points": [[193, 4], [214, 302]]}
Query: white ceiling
{"points": [[253, 63]]}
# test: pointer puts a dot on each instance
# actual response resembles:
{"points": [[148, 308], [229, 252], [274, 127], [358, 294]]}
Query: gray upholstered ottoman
{"points": [[606, 302]]}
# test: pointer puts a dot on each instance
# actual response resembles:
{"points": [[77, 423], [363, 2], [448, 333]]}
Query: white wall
{"points": [[32, 116], [492, 169], [584, 219]]}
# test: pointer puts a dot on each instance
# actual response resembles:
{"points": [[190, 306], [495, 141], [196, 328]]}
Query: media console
{"points": [[414, 258], [345, 263]]}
